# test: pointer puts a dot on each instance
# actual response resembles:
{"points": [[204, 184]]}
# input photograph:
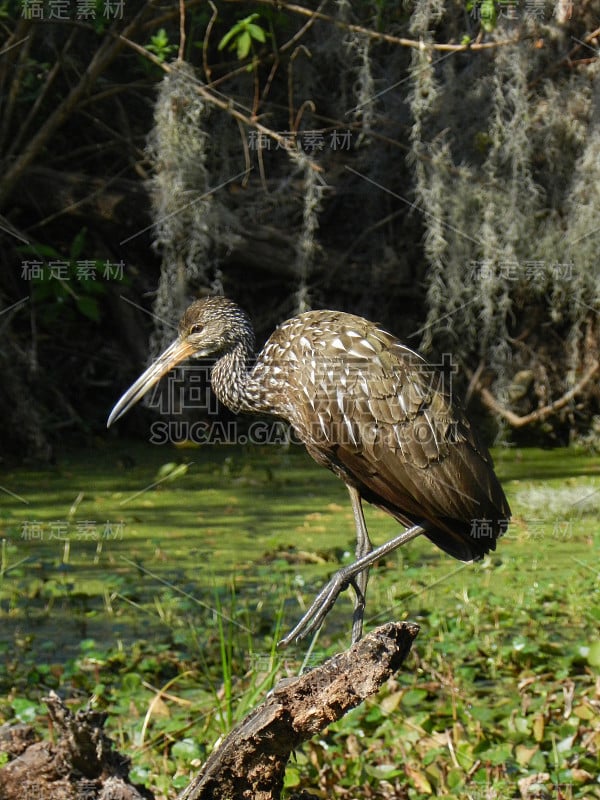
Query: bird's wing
{"points": [[385, 421]]}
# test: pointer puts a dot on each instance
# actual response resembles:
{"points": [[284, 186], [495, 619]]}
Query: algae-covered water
{"points": [[154, 581], [92, 547]]}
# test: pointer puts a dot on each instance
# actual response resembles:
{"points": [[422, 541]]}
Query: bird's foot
{"points": [[320, 607], [347, 576]]}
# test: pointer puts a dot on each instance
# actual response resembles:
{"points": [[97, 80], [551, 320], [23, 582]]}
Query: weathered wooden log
{"points": [[250, 762], [81, 764]]}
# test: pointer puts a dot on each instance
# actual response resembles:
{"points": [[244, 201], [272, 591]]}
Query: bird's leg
{"points": [[363, 547], [323, 602]]}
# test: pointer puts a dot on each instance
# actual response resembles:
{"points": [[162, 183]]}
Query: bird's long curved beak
{"points": [[169, 358]]}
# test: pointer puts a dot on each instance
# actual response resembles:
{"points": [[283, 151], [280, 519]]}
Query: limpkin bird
{"points": [[366, 407]]}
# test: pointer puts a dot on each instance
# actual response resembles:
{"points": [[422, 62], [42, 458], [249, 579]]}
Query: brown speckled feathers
{"points": [[366, 407], [385, 421]]}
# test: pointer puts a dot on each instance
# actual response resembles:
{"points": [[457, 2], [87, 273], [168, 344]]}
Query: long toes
{"points": [[320, 607]]}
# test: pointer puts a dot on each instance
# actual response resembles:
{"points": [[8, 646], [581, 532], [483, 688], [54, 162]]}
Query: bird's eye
{"points": [[196, 328]]}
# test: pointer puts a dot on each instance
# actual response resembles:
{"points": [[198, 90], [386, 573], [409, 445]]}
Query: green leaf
{"points": [[186, 749], [140, 775], [488, 15], [25, 710], [171, 471], [240, 36], [78, 244], [385, 771], [499, 754], [414, 697], [160, 38], [236, 30], [244, 43], [89, 308], [228, 37], [455, 778], [159, 45], [131, 682], [482, 713], [593, 654], [292, 778], [256, 32]]}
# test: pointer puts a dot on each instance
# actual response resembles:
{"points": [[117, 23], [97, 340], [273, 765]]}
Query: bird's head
{"points": [[212, 326]]}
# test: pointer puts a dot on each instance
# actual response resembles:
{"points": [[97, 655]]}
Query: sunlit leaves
{"points": [[241, 36]]}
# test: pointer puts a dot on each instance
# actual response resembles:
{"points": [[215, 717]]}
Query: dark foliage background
{"points": [[450, 194]]}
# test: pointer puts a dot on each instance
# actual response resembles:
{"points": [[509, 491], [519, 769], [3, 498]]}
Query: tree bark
{"points": [[82, 763], [250, 763]]}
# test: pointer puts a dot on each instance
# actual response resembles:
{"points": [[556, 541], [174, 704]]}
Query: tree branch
{"points": [[227, 105], [539, 414], [383, 37], [98, 64], [250, 762]]}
